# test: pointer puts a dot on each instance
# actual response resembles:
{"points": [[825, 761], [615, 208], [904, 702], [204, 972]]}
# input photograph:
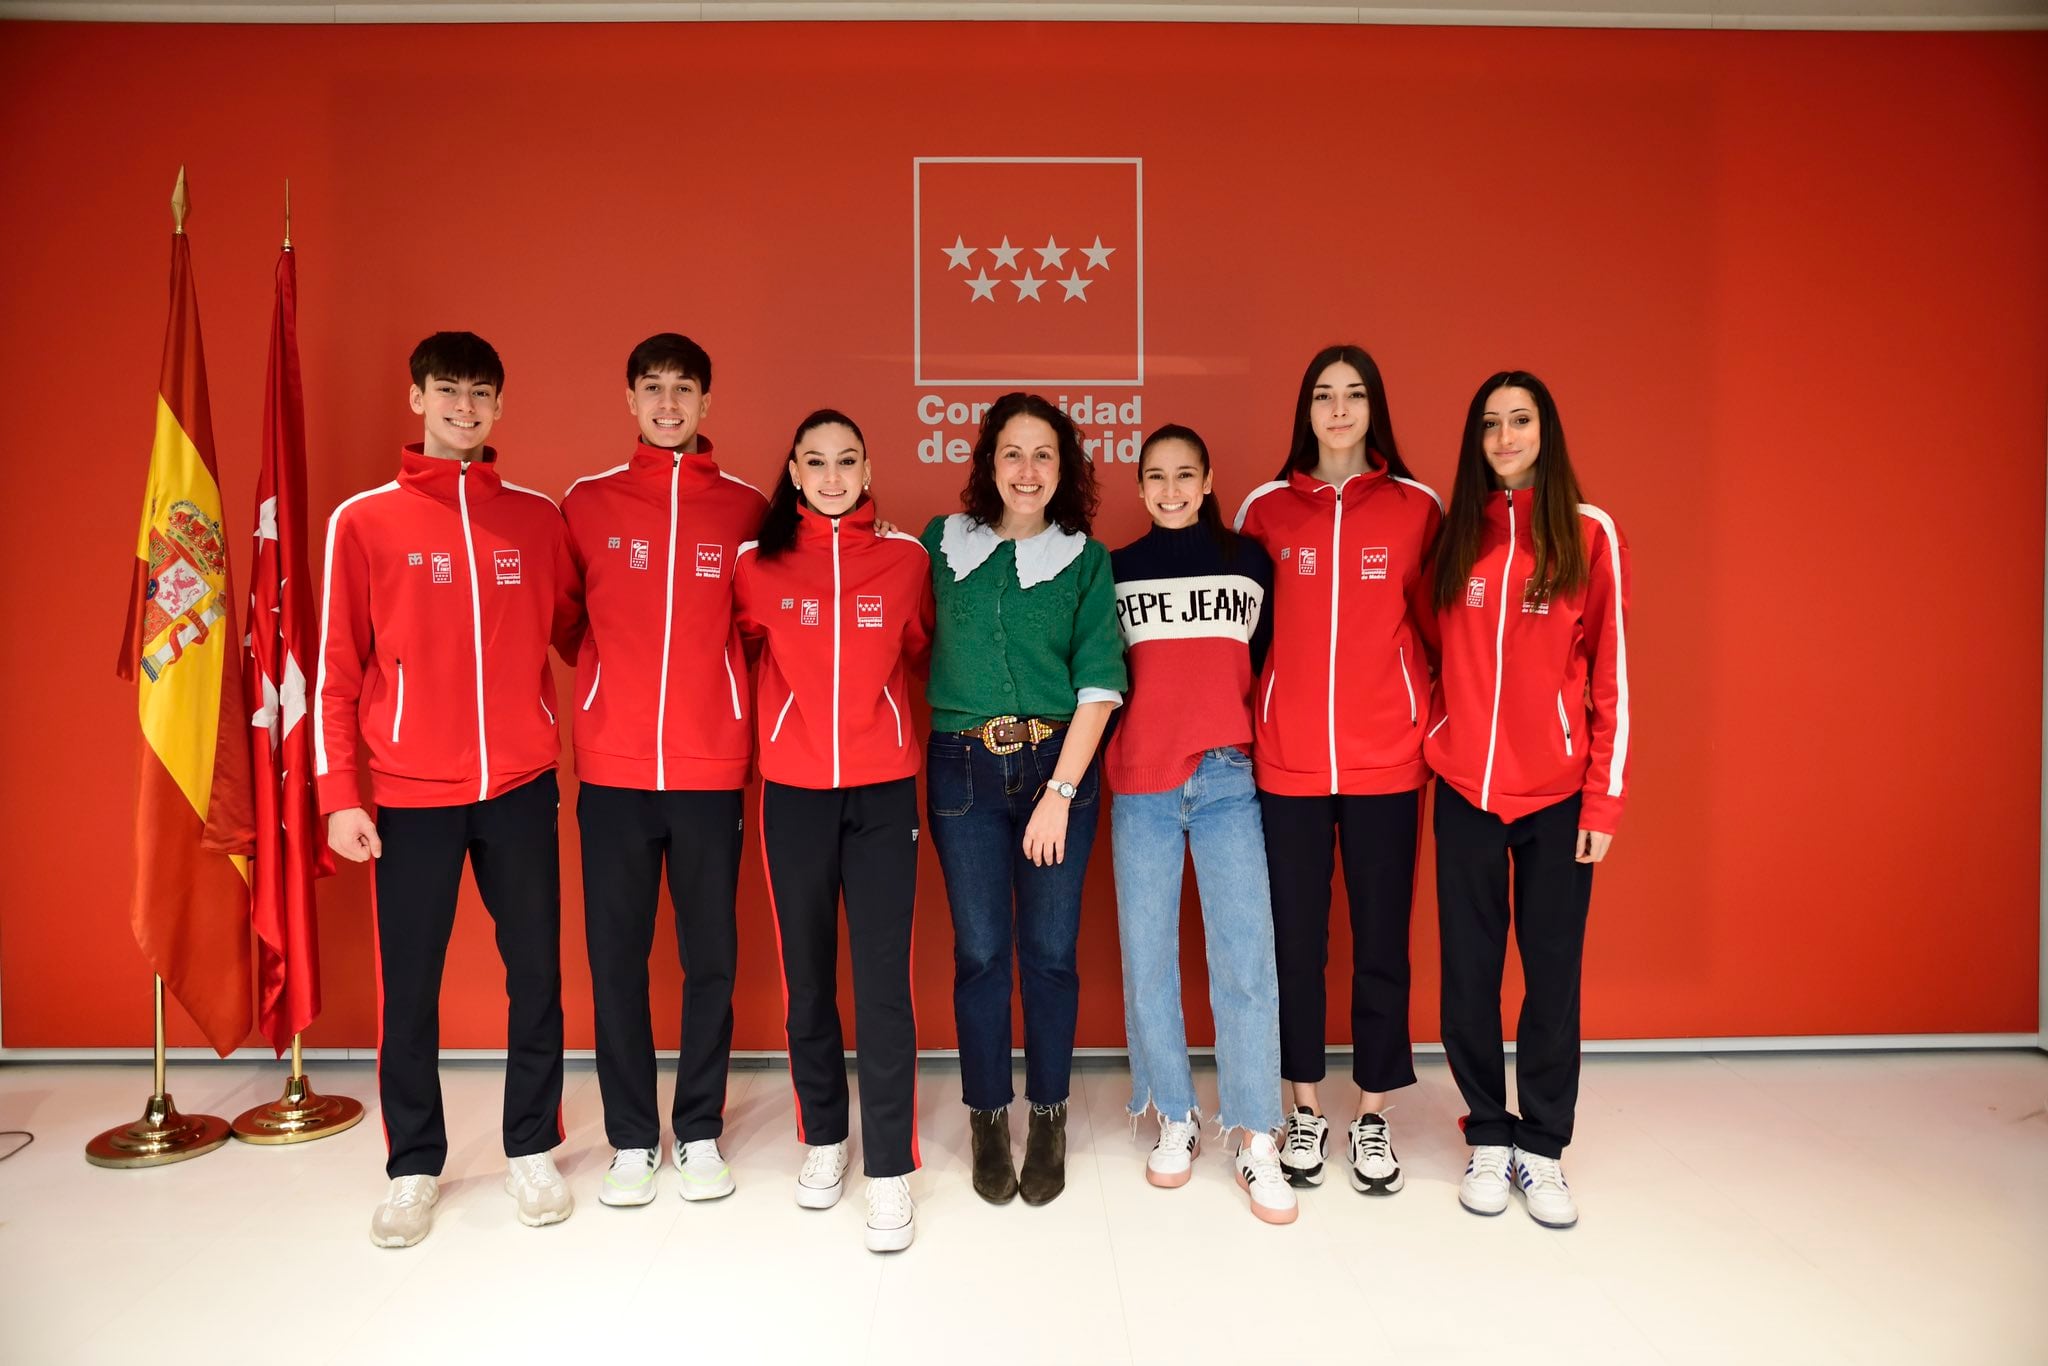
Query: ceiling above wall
{"points": [[1754, 14]]}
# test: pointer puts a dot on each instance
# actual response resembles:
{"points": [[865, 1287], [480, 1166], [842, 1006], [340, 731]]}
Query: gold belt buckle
{"points": [[988, 731]]}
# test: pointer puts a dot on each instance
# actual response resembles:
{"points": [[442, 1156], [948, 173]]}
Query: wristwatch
{"points": [[1059, 788]]}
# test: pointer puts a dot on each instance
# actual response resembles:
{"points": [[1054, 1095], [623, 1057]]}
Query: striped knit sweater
{"points": [[1195, 633]]}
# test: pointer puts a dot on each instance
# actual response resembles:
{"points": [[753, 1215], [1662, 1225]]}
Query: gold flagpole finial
{"points": [[287, 213], [178, 203]]}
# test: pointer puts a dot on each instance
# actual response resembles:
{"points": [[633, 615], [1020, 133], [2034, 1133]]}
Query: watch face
{"points": [[1066, 790]]}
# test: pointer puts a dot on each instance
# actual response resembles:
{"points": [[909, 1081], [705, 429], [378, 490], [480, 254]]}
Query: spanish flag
{"points": [[194, 827]]}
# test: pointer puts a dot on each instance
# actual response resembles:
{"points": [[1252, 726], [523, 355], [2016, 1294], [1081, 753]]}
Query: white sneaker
{"points": [[1374, 1168], [1173, 1157], [542, 1194], [705, 1175], [1485, 1187], [1259, 1175], [1544, 1192], [632, 1179], [891, 1213], [407, 1214], [1301, 1147], [823, 1179]]}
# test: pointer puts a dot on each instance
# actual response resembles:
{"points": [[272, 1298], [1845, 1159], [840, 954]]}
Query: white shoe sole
{"points": [[691, 1191], [1299, 1176], [393, 1240], [1369, 1185], [545, 1217], [619, 1197], [1484, 1210], [812, 1197], [890, 1239], [1550, 1223]]}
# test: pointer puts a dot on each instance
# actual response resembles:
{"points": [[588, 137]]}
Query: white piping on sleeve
{"points": [[1418, 484], [1237, 523], [1617, 763], [326, 605]]}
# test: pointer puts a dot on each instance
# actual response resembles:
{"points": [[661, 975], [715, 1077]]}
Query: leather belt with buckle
{"points": [[1007, 734]]}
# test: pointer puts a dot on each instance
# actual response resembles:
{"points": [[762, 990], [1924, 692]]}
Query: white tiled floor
{"points": [[1744, 1207]]}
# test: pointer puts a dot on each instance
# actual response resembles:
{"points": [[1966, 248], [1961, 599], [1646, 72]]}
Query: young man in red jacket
{"points": [[662, 749], [421, 573]]}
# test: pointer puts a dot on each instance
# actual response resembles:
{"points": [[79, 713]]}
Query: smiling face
{"points": [[1512, 436], [1338, 411], [458, 413], [1173, 483], [1027, 469], [669, 406], [830, 468]]}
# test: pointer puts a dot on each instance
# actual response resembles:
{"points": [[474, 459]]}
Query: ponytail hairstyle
{"points": [[1554, 514], [785, 509], [1303, 452], [1208, 516]]}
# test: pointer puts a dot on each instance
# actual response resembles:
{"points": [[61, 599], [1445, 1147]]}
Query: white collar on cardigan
{"points": [[966, 543]]}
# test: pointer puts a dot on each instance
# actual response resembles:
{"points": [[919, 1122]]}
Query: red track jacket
{"points": [[658, 684], [1532, 705], [1340, 705], [847, 617], [442, 591]]}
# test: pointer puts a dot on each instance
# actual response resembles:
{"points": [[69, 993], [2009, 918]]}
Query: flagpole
{"points": [[162, 1135], [301, 1113]]}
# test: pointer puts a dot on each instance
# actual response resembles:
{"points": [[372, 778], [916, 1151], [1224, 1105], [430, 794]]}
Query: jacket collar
{"points": [[654, 464], [437, 478], [966, 543], [1372, 478], [1497, 507], [814, 528]]}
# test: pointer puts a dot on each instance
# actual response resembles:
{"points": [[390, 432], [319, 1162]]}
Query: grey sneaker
{"points": [[632, 1179], [705, 1174], [542, 1194], [891, 1214], [407, 1214]]}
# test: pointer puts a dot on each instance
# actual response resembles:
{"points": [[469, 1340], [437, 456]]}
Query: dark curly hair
{"points": [[1073, 503]]}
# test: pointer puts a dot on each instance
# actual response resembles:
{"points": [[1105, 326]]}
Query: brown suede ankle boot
{"points": [[995, 1172], [1045, 1155]]}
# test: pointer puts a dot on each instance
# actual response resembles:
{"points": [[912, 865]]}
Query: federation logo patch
{"points": [[506, 563], [1475, 592], [809, 615], [444, 567], [710, 560], [1305, 560], [612, 544], [1372, 563], [639, 558], [1534, 603], [867, 611], [788, 604], [415, 558]]}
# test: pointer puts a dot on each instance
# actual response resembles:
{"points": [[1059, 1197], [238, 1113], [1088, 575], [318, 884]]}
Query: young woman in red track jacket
{"points": [[1337, 746], [1529, 737], [845, 617]]}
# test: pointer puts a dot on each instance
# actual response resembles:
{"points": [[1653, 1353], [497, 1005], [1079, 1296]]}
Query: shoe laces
{"points": [[537, 1169], [1489, 1160], [821, 1166], [889, 1200], [409, 1191], [1261, 1161], [1372, 1138], [1179, 1134], [702, 1149], [1302, 1138], [1542, 1173], [633, 1162]]}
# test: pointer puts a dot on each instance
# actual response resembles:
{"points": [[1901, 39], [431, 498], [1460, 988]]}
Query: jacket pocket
{"points": [[398, 708], [1438, 726], [780, 717], [544, 710], [1266, 705], [1564, 724], [895, 713], [734, 684], [596, 677], [1401, 653], [949, 776]]}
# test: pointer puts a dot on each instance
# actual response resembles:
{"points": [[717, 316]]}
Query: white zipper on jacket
{"points": [[894, 712], [668, 619], [836, 615], [398, 712], [1330, 678], [1562, 721], [476, 626], [1500, 632], [596, 677], [1401, 651]]}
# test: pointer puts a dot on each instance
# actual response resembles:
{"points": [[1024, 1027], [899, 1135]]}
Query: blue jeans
{"points": [[1003, 903], [1216, 811]]}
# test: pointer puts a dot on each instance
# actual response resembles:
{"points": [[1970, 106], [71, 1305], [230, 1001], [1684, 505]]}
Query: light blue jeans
{"points": [[1216, 811]]}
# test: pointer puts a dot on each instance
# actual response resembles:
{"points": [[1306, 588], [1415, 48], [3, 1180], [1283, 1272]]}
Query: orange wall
{"points": [[1789, 288]]}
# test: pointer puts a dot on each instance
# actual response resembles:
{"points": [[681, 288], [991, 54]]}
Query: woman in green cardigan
{"points": [[1027, 665]]}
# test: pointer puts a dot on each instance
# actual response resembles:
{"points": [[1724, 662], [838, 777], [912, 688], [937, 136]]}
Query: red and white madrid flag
{"points": [[290, 852], [1029, 271]]}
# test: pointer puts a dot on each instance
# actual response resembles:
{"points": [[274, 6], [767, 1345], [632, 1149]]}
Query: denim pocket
{"points": [[1235, 757], [949, 777]]}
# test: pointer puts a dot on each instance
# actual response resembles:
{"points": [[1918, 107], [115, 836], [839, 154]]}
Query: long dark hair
{"points": [[1553, 520], [1072, 506], [1302, 450], [1207, 515], [778, 528]]}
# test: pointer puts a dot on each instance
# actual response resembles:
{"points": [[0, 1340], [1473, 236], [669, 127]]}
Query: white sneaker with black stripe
{"points": [[1260, 1177], [1302, 1143], [1374, 1168], [704, 1171], [1544, 1193], [1173, 1157]]}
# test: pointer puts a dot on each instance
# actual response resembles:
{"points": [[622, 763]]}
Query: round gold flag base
{"points": [[300, 1115], [161, 1136]]}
